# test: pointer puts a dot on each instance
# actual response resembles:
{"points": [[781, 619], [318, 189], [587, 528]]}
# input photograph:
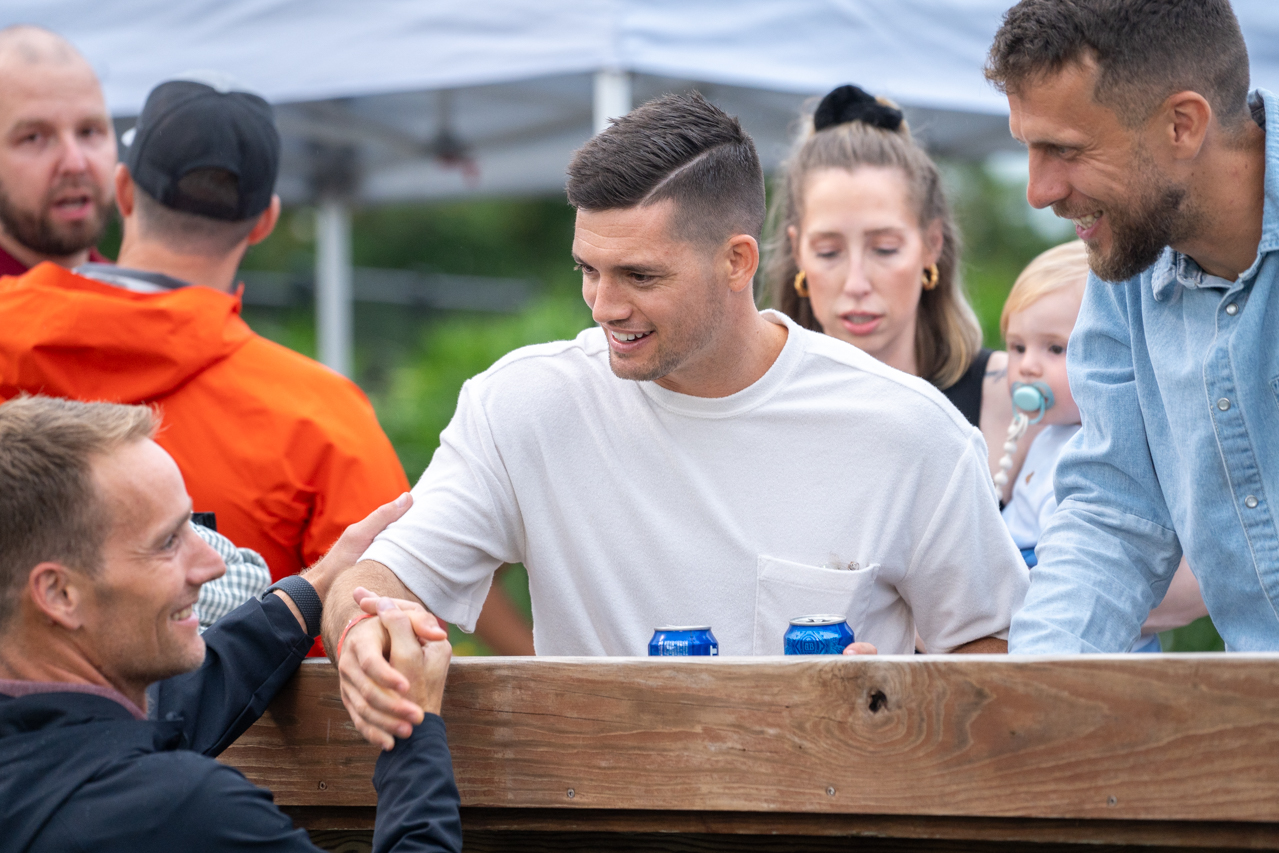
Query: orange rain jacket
{"points": [[286, 452]]}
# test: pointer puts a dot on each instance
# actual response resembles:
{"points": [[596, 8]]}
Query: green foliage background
{"points": [[413, 363]]}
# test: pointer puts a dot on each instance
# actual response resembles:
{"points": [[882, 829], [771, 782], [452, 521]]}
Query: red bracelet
{"points": [[342, 639]]}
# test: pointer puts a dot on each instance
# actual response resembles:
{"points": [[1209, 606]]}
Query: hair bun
{"points": [[851, 103]]}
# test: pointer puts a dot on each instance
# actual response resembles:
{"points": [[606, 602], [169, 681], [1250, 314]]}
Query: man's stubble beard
{"points": [[1139, 235], [143, 663], [38, 232], [675, 345]]}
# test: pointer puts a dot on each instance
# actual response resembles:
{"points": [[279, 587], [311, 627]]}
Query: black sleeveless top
{"points": [[966, 393]]}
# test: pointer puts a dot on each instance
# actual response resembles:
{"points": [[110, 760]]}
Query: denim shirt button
{"points": [[1223, 404], [1250, 502], [1232, 309]]}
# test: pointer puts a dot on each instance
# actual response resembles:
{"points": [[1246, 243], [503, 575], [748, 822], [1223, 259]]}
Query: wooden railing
{"points": [[971, 752]]}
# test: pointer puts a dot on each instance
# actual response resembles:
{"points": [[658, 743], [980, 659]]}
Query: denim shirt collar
{"points": [[1173, 268]]}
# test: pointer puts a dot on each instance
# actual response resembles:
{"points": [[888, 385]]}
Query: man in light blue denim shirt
{"points": [[1140, 129]]}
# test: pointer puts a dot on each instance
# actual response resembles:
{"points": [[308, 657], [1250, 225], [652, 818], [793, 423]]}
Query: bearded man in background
{"points": [[57, 153]]}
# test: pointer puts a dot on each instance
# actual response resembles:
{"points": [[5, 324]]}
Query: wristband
{"points": [[304, 596], [342, 639]]}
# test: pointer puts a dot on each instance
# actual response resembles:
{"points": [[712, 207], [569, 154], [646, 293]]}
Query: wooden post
{"points": [[1169, 750]]}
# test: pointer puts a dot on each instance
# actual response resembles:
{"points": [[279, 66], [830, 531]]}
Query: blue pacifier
{"points": [[1032, 398]]}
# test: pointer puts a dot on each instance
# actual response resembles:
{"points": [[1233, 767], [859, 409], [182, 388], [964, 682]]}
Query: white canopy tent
{"points": [[393, 100]]}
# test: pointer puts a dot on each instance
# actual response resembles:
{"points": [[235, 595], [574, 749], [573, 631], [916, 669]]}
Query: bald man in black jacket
{"points": [[112, 705]]}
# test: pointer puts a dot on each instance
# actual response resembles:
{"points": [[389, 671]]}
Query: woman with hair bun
{"points": [[864, 248]]}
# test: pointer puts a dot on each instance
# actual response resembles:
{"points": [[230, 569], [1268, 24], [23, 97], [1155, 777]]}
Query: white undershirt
{"points": [[834, 484], [1033, 501]]}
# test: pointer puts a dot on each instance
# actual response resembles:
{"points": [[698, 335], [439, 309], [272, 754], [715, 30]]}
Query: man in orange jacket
{"points": [[285, 452]]}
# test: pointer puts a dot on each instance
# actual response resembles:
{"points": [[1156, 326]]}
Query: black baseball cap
{"points": [[186, 125]]}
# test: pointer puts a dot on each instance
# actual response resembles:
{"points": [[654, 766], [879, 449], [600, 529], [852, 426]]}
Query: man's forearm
{"points": [[418, 802], [1091, 591], [1182, 604], [340, 607], [984, 646], [501, 625]]}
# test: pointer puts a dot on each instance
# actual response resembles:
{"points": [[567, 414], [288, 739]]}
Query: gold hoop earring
{"points": [[931, 274], [801, 284]]}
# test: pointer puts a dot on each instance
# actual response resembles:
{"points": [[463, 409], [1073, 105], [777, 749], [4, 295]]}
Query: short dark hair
{"points": [[1145, 50], [49, 508], [191, 233], [678, 147]]}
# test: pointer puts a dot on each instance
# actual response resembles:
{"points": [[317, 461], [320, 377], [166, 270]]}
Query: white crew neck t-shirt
{"points": [[1033, 500], [833, 484]]}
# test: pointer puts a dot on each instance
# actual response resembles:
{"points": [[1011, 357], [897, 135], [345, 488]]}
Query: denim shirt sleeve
{"points": [[1110, 551]]}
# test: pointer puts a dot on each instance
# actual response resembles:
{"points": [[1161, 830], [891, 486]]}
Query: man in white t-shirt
{"points": [[691, 460]]}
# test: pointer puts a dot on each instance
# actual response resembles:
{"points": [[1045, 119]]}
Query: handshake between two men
{"points": [[394, 668], [392, 655]]}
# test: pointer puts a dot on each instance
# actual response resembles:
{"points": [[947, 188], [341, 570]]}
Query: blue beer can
{"points": [[683, 640], [818, 635]]}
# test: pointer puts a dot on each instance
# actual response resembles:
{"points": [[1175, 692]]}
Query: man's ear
{"points": [[742, 259], [1185, 119], [124, 190], [266, 222], [58, 593]]}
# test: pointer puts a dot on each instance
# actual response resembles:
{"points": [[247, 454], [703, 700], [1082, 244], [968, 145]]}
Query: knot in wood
{"points": [[324, 786], [571, 793], [878, 701]]}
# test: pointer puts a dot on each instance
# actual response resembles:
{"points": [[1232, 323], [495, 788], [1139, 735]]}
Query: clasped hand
{"points": [[392, 667]]}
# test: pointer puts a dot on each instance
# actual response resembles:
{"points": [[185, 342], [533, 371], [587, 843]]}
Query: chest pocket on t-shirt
{"points": [[786, 590]]}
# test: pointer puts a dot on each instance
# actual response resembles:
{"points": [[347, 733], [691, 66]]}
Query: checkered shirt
{"points": [[247, 576]]}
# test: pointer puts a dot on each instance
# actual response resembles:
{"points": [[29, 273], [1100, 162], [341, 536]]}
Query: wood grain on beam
{"points": [[1180, 738]]}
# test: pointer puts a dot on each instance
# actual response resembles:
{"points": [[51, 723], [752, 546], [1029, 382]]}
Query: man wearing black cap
{"points": [[284, 451], [198, 180]]}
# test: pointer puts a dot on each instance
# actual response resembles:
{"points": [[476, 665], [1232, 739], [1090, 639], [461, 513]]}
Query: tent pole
{"points": [[612, 96], [333, 323]]}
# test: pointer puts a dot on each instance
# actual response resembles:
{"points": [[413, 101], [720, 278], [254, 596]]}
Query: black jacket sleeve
{"points": [[417, 799], [250, 654]]}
